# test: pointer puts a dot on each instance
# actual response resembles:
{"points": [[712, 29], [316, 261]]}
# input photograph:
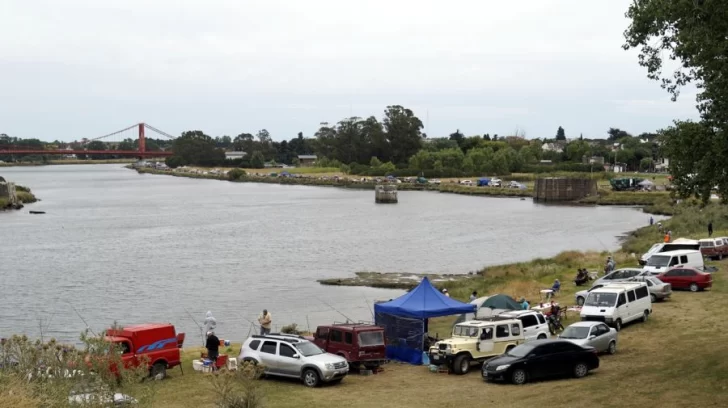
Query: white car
{"points": [[535, 326], [466, 182]]}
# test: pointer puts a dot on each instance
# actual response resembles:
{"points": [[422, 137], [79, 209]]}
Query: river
{"points": [[120, 246]]}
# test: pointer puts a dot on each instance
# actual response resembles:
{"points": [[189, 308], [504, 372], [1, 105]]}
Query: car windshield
{"points": [[308, 349], [466, 331], [658, 260], [371, 338], [575, 332], [601, 299], [655, 248], [520, 351]]}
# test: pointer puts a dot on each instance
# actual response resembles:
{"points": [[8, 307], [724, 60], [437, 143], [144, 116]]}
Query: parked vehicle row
{"points": [[714, 248]]}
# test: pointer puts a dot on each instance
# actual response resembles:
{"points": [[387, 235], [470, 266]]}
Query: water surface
{"points": [[137, 248]]}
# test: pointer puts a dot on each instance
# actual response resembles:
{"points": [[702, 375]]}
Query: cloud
{"points": [[228, 66]]}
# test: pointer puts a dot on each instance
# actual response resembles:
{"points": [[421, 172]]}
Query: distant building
{"points": [[619, 168], [596, 160], [234, 155], [69, 156], [553, 147], [662, 164], [306, 160]]}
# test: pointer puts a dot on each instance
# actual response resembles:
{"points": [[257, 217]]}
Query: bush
{"points": [[239, 389], [236, 174], [291, 329], [174, 161]]}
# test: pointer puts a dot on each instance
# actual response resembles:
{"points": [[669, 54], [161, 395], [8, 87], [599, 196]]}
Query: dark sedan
{"points": [[541, 359]]}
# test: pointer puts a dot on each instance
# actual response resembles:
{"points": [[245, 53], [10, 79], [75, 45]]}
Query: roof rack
{"points": [[290, 338], [352, 323]]}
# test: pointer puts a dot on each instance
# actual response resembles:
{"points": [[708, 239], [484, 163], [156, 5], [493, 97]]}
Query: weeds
{"points": [[239, 389]]}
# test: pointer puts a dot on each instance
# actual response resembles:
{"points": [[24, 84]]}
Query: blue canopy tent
{"points": [[404, 319]]}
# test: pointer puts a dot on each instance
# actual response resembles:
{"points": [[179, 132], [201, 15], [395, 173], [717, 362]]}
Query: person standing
{"points": [[524, 304], [213, 348], [652, 220], [474, 295], [710, 229], [210, 322], [265, 320]]}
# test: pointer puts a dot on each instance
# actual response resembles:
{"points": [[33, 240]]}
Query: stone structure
{"points": [[385, 193], [564, 189], [7, 191]]}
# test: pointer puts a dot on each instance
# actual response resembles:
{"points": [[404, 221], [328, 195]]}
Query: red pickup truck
{"points": [[358, 343], [157, 342]]}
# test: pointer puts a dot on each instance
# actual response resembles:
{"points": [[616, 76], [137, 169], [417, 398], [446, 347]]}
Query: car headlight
{"points": [[502, 367], [329, 366]]}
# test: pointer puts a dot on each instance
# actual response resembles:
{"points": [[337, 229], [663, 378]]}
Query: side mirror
{"points": [[592, 337], [296, 356]]}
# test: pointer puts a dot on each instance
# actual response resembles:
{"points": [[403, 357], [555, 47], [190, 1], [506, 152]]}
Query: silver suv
{"points": [[293, 356]]}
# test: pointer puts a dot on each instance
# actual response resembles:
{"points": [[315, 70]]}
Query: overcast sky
{"points": [[83, 68]]}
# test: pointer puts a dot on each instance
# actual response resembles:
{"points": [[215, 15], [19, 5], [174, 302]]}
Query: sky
{"points": [[84, 68]]}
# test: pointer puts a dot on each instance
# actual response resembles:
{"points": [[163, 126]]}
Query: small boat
{"points": [[37, 212]]}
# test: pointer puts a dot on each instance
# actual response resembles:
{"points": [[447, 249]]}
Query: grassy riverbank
{"points": [[657, 202]]}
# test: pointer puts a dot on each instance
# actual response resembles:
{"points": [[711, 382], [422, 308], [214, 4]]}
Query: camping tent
{"points": [[504, 302], [405, 319]]}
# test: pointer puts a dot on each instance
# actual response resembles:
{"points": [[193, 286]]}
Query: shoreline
{"points": [[24, 195], [658, 203], [67, 162]]}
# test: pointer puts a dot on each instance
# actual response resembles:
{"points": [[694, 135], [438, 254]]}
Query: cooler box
{"points": [[221, 360]]}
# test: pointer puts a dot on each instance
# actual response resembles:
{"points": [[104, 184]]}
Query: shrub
{"points": [[291, 329], [239, 389], [236, 174]]}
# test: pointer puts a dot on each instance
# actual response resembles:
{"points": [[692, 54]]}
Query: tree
{"points": [[646, 164], [196, 148], [457, 137], [692, 32], [616, 134], [404, 132], [696, 161], [486, 137], [560, 134], [243, 142], [257, 160]]}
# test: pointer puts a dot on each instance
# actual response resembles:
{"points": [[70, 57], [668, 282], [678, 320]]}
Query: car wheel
{"points": [[311, 378], [159, 371], [519, 377], [645, 316], [694, 287], [612, 347], [541, 337], [653, 298], [618, 325], [461, 365], [580, 301], [580, 370]]}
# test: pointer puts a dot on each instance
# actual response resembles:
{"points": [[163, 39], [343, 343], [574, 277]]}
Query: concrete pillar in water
{"points": [[385, 194]]}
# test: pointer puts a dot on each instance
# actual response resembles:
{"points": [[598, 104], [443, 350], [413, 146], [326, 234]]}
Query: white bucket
{"points": [[197, 365]]}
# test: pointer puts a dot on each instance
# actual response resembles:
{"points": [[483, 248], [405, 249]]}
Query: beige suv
{"points": [[476, 341]]}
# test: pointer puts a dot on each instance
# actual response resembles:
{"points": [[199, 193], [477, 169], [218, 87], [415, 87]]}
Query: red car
{"points": [[682, 277], [358, 343]]}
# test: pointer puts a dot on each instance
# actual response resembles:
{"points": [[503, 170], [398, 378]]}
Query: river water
{"points": [[117, 245]]}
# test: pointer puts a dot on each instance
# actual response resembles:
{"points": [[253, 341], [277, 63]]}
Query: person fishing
{"points": [[610, 266], [210, 322], [265, 320]]}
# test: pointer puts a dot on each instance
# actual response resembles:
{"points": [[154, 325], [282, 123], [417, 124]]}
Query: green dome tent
{"points": [[501, 302]]}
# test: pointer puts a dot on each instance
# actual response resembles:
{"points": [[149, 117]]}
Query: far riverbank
{"points": [[654, 202]]}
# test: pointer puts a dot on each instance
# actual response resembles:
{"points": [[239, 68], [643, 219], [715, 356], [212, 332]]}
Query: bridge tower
{"points": [[142, 141]]}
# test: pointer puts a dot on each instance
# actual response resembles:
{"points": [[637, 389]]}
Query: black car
{"points": [[541, 359]]}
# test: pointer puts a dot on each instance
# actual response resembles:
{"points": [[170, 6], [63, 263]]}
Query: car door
{"points": [[530, 326], [537, 363], [633, 311], [269, 356], [551, 361], [486, 343], [688, 277], [336, 341], [601, 340], [289, 360], [322, 338], [622, 309]]}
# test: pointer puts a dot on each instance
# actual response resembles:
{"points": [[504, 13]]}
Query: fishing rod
{"points": [[334, 309], [82, 319], [370, 308], [202, 336]]}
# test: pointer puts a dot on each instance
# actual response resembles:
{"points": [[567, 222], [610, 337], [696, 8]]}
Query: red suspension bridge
{"points": [[115, 144]]}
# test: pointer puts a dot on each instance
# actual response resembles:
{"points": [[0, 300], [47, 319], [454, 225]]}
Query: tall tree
{"points": [[560, 134], [694, 33], [404, 132], [457, 137]]}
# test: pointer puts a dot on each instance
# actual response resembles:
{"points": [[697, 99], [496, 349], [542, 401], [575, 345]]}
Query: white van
{"points": [[617, 304], [680, 243], [663, 261]]}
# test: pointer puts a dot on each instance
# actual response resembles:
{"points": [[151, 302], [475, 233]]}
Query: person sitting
{"points": [[556, 286], [582, 277]]}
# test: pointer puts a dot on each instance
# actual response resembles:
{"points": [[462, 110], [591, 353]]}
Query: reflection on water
{"points": [[136, 248]]}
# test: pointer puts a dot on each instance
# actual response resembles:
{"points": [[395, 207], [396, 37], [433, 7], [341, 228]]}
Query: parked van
{"points": [[680, 243], [663, 261], [617, 304], [714, 248]]}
